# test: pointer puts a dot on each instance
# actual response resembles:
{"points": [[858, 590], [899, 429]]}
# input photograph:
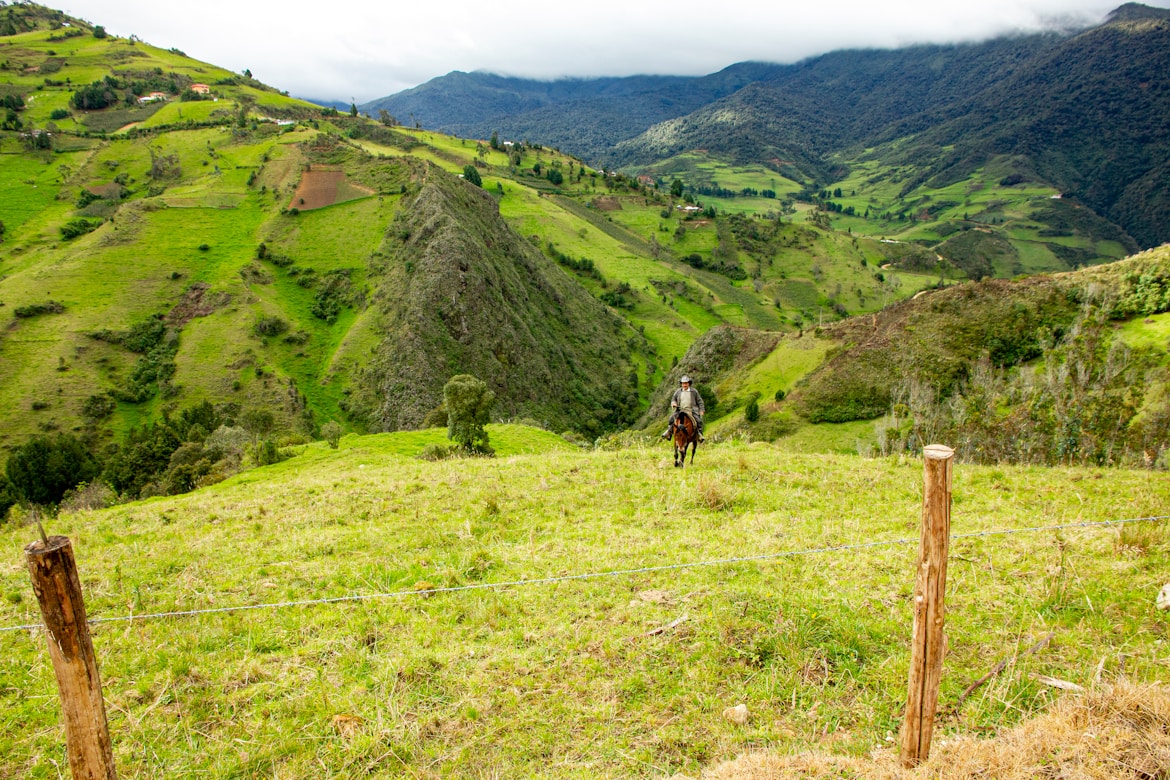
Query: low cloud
{"points": [[364, 50]]}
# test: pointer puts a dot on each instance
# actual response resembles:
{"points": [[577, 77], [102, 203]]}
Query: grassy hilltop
{"points": [[617, 676]]}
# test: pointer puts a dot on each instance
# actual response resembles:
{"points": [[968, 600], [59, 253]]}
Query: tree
{"points": [[469, 403], [44, 468], [8, 495], [472, 175], [676, 188], [386, 118], [258, 422], [752, 412], [353, 109], [495, 142], [99, 31], [332, 433]]}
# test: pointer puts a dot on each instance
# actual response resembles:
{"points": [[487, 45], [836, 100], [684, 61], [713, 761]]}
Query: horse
{"points": [[685, 435]]}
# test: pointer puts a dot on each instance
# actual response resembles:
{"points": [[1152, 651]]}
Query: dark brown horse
{"points": [[685, 436]]}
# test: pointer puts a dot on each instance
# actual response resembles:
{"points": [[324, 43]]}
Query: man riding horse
{"points": [[686, 401]]}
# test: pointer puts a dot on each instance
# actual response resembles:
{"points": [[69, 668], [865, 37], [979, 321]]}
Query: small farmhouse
{"points": [[153, 97], [202, 89]]}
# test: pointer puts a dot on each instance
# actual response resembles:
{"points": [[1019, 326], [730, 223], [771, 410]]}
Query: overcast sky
{"points": [[365, 49]]}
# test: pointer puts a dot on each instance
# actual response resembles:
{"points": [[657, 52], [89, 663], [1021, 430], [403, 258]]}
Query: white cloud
{"points": [[366, 48]]}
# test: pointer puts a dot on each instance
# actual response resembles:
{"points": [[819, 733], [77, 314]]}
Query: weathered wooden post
{"points": [[928, 643], [58, 590]]}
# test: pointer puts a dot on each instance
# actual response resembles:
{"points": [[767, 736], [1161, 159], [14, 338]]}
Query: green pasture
{"points": [[31, 187], [782, 368], [1147, 333], [176, 112], [623, 675]]}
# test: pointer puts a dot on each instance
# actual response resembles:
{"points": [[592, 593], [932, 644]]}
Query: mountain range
{"points": [[1087, 112]]}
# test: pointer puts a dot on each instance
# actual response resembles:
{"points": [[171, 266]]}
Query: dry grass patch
{"points": [[1120, 731]]}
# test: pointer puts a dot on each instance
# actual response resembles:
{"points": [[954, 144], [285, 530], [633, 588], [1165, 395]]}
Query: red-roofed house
{"points": [[202, 89]]}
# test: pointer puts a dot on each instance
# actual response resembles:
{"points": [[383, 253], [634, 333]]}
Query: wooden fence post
{"points": [[58, 590], [928, 643]]}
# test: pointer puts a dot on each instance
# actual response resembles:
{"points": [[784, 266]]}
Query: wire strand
{"points": [[591, 575]]}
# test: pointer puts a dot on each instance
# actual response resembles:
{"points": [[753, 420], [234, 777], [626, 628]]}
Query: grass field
{"points": [[622, 675]]}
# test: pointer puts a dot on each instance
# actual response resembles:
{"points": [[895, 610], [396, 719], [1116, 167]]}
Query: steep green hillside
{"points": [[206, 252], [624, 675]]}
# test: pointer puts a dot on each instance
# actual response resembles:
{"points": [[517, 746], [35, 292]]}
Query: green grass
{"points": [[574, 679], [177, 112], [1148, 333]]}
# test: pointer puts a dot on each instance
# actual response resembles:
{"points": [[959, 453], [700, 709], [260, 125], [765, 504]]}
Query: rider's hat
{"points": [[684, 378]]}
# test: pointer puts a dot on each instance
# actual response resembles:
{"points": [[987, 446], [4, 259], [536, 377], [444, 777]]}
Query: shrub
{"points": [[437, 452], [87, 497], [98, 407], [269, 326], [79, 226], [752, 412], [85, 197], [472, 175], [36, 309], [8, 496], [266, 453]]}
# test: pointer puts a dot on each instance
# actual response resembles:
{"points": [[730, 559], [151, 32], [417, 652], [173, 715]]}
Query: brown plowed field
{"points": [[322, 186]]}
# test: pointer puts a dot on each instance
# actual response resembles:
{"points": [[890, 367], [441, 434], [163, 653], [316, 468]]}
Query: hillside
{"points": [[462, 293], [1065, 368], [254, 251], [243, 249], [622, 675]]}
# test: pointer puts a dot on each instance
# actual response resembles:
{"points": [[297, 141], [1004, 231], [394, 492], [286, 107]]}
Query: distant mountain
{"points": [[1086, 112], [584, 116], [808, 111]]}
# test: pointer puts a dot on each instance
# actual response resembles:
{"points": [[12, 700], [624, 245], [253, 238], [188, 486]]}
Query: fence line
{"points": [[596, 575]]}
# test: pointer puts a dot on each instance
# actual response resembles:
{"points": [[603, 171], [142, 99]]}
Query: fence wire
{"points": [[593, 575]]}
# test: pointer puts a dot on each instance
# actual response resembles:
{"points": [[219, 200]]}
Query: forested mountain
{"points": [[584, 116], [1086, 112]]}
